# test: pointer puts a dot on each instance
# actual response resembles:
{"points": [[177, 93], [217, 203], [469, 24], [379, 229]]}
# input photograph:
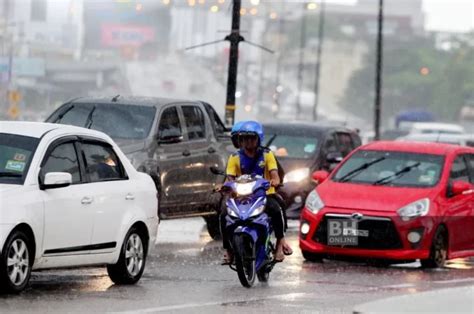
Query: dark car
{"points": [[175, 141], [303, 148]]}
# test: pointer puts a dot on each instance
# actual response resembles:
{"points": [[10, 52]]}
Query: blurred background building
{"points": [[53, 50]]}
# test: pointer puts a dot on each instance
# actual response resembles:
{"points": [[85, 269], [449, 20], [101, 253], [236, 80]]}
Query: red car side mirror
{"points": [[461, 187], [320, 176]]}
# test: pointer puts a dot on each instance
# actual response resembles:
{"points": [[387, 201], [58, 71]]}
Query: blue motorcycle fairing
{"points": [[258, 227], [261, 250], [245, 207], [259, 189]]}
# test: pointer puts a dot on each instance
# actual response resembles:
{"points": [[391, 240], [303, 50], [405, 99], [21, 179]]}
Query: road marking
{"points": [[454, 281], [402, 285], [195, 305]]}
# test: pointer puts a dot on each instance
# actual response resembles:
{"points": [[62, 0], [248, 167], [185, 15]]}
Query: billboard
{"points": [[118, 35], [119, 24]]}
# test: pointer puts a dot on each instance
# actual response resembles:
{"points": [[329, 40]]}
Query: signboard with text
{"points": [[33, 67], [117, 35]]}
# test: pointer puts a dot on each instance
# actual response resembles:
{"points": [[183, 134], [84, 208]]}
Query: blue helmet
{"points": [[253, 127], [234, 133]]}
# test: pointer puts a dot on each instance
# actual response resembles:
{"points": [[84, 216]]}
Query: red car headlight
{"points": [[314, 203], [415, 209]]}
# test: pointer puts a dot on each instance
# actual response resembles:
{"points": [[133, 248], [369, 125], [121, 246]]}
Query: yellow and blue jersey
{"points": [[264, 162]]}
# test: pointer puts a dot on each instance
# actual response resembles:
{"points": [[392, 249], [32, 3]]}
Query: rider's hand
{"points": [[274, 182]]}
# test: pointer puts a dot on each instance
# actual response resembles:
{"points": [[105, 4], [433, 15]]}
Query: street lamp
{"points": [[301, 61], [378, 73], [317, 79]]}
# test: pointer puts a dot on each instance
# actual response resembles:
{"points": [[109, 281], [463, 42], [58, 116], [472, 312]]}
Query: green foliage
{"points": [[447, 87]]}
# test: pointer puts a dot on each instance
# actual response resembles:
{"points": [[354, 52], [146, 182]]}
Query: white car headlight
{"points": [[257, 211], [297, 175], [244, 188], [313, 202], [415, 209]]}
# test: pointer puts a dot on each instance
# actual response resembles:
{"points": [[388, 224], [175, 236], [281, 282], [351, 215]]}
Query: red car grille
{"points": [[382, 234]]}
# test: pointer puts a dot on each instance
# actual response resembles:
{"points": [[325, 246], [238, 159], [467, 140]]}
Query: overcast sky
{"points": [[453, 15], [443, 15]]}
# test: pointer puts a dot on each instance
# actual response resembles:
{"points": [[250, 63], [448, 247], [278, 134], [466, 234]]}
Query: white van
{"points": [[457, 139], [436, 128]]}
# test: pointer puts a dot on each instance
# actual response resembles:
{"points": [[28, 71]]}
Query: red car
{"points": [[393, 201]]}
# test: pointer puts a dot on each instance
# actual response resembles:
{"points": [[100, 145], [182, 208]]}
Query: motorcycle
{"points": [[249, 228]]}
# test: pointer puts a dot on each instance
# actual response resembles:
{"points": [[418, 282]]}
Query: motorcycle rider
{"points": [[252, 158]]}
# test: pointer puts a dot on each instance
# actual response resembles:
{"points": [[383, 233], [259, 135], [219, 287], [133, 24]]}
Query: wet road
{"points": [[183, 275]]}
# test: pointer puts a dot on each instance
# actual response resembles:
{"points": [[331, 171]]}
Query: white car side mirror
{"points": [[54, 180]]}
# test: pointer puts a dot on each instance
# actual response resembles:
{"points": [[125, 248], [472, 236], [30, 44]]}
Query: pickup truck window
{"points": [[119, 121], [169, 123], [219, 127], [194, 122], [75, 115]]}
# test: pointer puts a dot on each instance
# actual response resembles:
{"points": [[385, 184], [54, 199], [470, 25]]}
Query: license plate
{"points": [[355, 232]]}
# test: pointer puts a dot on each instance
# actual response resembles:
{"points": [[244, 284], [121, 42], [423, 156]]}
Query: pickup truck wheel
{"points": [[213, 226]]}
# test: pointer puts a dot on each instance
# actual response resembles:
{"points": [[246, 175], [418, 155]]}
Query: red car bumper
{"points": [[404, 250]]}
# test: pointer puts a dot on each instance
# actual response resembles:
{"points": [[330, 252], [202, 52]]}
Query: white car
{"points": [[69, 197], [435, 128], [456, 139]]}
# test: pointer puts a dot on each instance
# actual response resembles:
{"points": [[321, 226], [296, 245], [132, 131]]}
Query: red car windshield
{"points": [[400, 169]]}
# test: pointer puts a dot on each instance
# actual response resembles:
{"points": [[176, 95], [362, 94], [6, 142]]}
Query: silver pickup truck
{"points": [[175, 141]]}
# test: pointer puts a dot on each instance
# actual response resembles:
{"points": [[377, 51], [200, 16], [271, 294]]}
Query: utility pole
{"points": [[378, 74], [322, 14], [301, 61], [234, 38]]}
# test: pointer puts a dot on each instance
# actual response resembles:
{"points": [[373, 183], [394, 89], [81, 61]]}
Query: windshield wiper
{"points": [[270, 141], [357, 170], [396, 175], [89, 120], [10, 174], [60, 117]]}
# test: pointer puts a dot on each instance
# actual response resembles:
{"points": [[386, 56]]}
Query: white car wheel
{"points": [[131, 263], [134, 254], [16, 263]]}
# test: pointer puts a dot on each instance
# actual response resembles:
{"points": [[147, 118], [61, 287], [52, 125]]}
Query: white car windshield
{"points": [[16, 152]]}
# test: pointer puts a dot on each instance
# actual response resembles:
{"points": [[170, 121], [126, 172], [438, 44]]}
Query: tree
{"points": [[415, 75]]}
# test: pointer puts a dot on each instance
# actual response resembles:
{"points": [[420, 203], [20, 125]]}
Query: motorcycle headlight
{"points": [[244, 188], [257, 211], [297, 175], [313, 202], [232, 213], [415, 209]]}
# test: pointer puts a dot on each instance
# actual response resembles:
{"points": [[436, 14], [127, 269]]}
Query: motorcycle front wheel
{"points": [[244, 259]]}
